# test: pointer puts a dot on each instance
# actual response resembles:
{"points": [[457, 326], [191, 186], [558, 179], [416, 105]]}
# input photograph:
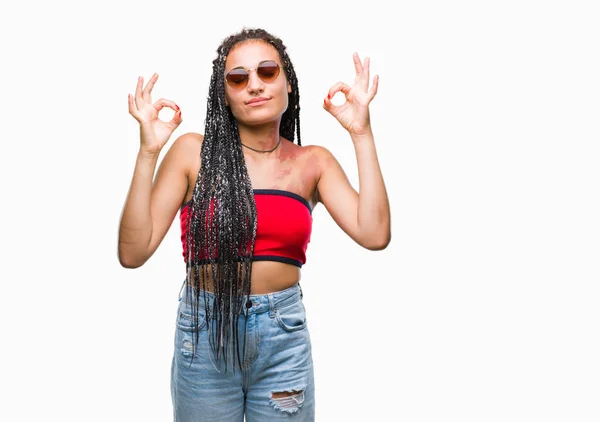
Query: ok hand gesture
{"points": [[353, 115], [154, 133]]}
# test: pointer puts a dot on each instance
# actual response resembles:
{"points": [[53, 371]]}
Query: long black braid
{"points": [[221, 223]]}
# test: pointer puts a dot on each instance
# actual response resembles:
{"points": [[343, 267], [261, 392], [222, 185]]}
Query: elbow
{"points": [[129, 263], [378, 243], [376, 236], [129, 260], [377, 246]]}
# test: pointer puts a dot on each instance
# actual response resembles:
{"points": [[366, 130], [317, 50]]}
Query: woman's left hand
{"points": [[353, 115]]}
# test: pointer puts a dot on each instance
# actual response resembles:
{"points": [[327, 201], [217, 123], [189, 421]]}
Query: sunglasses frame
{"points": [[250, 70]]}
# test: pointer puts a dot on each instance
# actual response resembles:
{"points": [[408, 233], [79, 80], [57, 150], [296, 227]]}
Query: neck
{"points": [[262, 138]]}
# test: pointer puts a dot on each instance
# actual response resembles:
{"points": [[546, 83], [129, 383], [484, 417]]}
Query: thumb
{"points": [[176, 120], [328, 105]]}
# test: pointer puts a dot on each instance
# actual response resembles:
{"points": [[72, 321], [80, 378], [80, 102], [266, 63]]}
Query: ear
{"points": [[289, 88]]}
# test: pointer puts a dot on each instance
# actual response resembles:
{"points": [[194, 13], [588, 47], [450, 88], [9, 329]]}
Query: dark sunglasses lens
{"points": [[237, 77], [268, 71]]}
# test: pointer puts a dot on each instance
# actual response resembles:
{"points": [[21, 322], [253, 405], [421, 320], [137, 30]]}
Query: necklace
{"points": [[263, 150]]}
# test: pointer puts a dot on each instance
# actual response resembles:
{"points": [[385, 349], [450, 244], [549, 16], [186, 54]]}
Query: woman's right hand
{"points": [[154, 133]]}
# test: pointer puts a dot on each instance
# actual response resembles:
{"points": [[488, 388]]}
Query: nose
{"points": [[255, 84]]}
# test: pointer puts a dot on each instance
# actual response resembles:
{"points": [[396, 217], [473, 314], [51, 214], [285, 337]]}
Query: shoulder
{"points": [[185, 150], [319, 151], [319, 157], [316, 160], [189, 140], [330, 176], [314, 153], [313, 159]]}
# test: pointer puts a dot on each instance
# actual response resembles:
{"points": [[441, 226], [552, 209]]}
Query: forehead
{"points": [[249, 53]]}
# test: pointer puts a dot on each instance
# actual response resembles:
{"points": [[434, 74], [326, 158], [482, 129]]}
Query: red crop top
{"points": [[284, 225]]}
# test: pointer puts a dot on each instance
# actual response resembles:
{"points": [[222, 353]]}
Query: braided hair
{"points": [[221, 222]]}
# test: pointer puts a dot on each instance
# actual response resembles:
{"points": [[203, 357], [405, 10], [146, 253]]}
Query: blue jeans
{"points": [[277, 358]]}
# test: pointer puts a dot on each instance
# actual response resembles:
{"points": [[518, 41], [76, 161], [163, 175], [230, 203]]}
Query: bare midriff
{"points": [[267, 277]]}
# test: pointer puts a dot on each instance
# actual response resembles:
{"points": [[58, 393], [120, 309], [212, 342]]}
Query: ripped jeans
{"points": [[276, 381]]}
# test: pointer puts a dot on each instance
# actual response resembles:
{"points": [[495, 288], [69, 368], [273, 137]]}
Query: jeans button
{"points": [[249, 304]]}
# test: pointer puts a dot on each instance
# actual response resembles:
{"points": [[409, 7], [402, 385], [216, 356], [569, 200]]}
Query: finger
{"points": [[138, 92], [147, 93], [373, 89], [329, 106], [162, 103], [357, 64], [132, 109], [176, 120], [339, 87], [365, 73]]}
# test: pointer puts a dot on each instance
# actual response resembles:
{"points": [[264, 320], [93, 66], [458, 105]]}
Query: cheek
{"points": [[285, 96], [232, 102], [233, 97]]}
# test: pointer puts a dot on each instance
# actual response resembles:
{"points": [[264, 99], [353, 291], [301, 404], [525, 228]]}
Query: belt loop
{"points": [[271, 303], [301, 295]]}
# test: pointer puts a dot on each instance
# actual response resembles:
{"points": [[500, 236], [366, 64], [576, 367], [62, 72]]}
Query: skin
{"points": [[309, 171]]}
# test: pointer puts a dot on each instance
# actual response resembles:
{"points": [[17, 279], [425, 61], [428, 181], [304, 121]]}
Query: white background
{"points": [[484, 307]]}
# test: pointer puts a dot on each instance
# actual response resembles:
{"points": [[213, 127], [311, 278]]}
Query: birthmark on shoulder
{"points": [[290, 153], [288, 156], [283, 173]]}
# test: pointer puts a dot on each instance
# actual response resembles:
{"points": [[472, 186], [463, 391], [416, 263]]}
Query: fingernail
{"points": [[176, 106], [328, 96], [324, 102]]}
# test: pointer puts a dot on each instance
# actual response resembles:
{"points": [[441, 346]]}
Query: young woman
{"points": [[245, 191]]}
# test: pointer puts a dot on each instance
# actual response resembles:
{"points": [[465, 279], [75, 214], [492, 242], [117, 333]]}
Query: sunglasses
{"points": [[267, 71]]}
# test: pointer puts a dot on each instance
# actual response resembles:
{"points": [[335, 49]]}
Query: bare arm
{"points": [[364, 216], [135, 228], [150, 208]]}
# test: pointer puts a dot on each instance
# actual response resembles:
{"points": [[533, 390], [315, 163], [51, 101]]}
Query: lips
{"points": [[257, 101]]}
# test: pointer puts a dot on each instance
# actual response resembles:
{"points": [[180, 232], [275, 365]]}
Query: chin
{"points": [[260, 117]]}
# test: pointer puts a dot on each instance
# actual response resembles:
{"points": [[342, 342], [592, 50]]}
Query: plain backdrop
{"points": [[484, 307]]}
